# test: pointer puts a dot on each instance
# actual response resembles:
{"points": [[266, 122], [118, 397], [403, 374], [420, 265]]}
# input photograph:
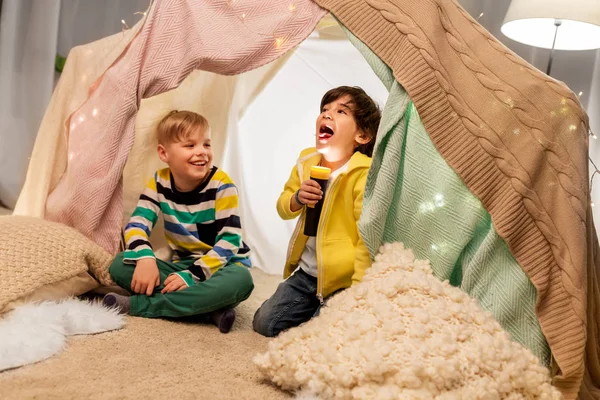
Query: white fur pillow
{"points": [[402, 333]]}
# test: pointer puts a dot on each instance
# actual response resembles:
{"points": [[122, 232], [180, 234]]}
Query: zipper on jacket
{"points": [[320, 271]]}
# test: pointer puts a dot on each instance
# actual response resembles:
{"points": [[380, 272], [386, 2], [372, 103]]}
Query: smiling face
{"points": [[337, 132], [189, 159]]}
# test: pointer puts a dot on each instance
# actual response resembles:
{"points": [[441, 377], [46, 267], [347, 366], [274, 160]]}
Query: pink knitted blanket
{"points": [[226, 37]]}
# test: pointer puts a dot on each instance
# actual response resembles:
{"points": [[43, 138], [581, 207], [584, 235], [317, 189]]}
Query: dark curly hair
{"points": [[366, 112]]}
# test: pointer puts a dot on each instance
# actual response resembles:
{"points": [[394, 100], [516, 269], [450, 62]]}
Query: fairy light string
{"points": [[279, 41]]}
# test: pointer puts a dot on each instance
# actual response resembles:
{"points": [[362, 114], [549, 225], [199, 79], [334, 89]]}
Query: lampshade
{"points": [[533, 22]]}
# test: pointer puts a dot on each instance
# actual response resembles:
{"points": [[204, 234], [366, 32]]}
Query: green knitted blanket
{"points": [[413, 196]]}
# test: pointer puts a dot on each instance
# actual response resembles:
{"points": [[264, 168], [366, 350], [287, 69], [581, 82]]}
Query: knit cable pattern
{"points": [[518, 140]]}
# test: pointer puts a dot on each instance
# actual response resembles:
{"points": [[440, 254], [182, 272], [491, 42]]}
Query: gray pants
{"points": [[294, 302]]}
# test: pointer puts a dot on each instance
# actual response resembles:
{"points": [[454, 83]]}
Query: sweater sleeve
{"points": [[139, 227], [283, 203]]}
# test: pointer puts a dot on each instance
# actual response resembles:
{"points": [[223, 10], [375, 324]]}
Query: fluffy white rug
{"points": [[403, 334], [37, 331]]}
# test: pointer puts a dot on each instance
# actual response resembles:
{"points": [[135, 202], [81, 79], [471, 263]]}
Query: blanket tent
{"points": [[480, 159]]}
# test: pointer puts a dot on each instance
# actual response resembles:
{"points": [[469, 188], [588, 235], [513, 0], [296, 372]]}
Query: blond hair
{"points": [[177, 126]]}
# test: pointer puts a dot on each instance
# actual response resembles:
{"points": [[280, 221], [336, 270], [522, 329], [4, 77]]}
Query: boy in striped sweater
{"points": [[208, 273]]}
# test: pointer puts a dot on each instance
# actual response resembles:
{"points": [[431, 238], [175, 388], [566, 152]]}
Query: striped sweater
{"points": [[202, 224]]}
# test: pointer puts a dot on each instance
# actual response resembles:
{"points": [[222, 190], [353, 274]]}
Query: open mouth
{"points": [[325, 132], [199, 163]]}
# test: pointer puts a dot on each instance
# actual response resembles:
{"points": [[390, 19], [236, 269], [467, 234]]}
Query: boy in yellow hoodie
{"points": [[317, 267]]}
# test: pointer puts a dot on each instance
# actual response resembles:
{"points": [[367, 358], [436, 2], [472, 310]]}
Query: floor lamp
{"points": [[554, 24]]}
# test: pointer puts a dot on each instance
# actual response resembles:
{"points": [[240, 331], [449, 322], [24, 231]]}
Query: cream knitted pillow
{"points": [[44, 260], [404, 334]]}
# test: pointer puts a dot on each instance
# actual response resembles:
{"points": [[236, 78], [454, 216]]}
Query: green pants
{"points": [[226, 288]]}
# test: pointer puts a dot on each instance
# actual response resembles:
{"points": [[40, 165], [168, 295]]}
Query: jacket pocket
{"points": [[338, 263]]}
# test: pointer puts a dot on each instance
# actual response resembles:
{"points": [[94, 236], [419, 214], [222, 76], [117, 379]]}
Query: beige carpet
{"points": [[155, 359]]}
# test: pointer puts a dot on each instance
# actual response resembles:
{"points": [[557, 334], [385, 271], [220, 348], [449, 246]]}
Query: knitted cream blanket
{"points": [[403, 334]]}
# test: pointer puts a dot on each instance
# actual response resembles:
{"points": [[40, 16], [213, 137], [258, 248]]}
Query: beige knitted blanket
{"points": [[35, 253], [519, 141]]}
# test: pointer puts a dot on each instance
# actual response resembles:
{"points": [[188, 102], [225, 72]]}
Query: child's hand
{"points": [[145, 277], [310, 192], [173, 283]]}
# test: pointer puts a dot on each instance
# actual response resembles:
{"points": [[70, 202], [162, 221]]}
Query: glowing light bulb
{"points": [[125, 27]]}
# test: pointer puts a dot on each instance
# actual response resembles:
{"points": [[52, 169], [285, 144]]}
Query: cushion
{"points": [[403, 333], [43, 260], [74, 286]]}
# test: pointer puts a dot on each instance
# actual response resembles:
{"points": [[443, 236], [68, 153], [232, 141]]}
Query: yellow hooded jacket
{"points": [[342, 256]]}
